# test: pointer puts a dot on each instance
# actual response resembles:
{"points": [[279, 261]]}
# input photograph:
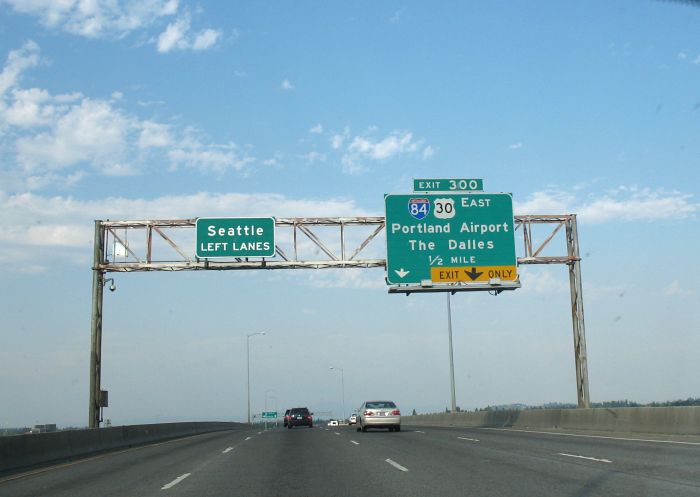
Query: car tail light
{"points": [[308, 417], [368, 413], [396, 412]]}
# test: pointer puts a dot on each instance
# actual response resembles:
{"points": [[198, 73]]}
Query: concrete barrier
{"points": [[24, 451], [651, 420]]}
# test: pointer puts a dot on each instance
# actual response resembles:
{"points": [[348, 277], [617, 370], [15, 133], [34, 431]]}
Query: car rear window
{"points": [[300, 410], [380, 405]]}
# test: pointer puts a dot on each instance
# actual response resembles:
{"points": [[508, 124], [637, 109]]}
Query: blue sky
{"points": [[176, 109]]}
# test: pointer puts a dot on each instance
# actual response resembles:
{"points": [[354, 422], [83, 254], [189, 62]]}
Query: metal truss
{"points": [[166, 245], [136, 239], [299, 234]]}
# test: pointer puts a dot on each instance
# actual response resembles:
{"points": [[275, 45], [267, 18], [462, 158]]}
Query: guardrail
{"points": [[24, 451], [651, 420]]}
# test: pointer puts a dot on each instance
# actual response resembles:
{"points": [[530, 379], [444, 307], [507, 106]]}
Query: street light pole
{"points": [[342, 386], [247, 354]]}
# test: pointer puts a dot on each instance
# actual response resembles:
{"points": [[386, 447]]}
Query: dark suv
{"points": [[300, 416]]}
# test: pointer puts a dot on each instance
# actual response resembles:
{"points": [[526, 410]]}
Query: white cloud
{"points": [[696, 60], [543, 280], [206, 39], [352, 165], [286, 85], [363, 148], [633, 204], [119, 18], [675, 289], [18, 61], [92, 131], [313, 157], [154, 134], [515, 146], [621, 204], [318, 129], [394, 144], [174, 36], [338, 139], [96, 18], [682, 55], [46, 135], [191, 152], [548, 202], [428, 152], [178, 36]]}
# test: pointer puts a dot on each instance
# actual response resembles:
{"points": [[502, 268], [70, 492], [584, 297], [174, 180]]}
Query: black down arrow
{"points": [[473, 274]]}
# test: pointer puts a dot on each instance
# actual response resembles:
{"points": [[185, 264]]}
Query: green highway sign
{"points": [[449, 238], [235, 237], [448, 185], [269, 414]]}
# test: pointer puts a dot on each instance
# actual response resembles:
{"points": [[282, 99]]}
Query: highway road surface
{"points": [[338, 461]]}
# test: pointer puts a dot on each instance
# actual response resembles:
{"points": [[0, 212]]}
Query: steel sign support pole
{"points": [[96, 326], [247, 355], [452, 365], [342, 388], [577, 319]]}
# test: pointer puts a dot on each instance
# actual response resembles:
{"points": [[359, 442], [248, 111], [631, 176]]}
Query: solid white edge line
{"points": [[594, 436], [356, 443], [418, 431], [336, 433], [227, 450], [470, 439], [175, 481], [396, 465], [584, 457], [248, 438]]}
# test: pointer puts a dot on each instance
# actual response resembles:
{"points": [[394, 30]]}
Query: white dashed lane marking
{"points": [[227, 450], [468, 439], [584, 457], [175, 481], [396, 465]]}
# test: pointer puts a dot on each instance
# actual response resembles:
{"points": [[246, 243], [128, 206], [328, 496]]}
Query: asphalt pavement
{"points": [[339, 461]]}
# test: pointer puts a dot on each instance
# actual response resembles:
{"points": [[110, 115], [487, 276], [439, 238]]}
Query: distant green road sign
{"points": [[235, 237], [269, 415], [450, 238], [448, 185]]}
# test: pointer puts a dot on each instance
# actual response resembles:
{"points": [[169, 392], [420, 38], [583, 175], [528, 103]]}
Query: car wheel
{"points": [[311, 426], [397, 428], [357, 429], [391, 428], [364, 429], [289, 427]]}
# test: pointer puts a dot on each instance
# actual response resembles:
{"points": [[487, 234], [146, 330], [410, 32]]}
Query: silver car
{"points": [[379, 414]]}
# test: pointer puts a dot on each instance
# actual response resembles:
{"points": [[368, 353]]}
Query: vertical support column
{"points": [[453, 397], [577, 313], [96, 326]]}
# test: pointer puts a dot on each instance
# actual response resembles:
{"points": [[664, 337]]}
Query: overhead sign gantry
{"points": [[485, 245]]}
